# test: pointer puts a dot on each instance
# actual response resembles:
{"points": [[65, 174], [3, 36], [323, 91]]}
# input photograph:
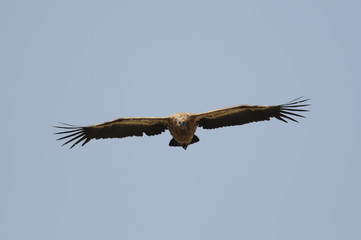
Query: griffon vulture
{"points": [[182, 126]]}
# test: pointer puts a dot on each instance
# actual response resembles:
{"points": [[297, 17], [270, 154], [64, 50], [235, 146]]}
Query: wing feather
{"points": [[118, 128], [243, 114]]}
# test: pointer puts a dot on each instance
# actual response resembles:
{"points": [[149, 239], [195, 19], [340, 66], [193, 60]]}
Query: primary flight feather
{"points": [[182, 126]]}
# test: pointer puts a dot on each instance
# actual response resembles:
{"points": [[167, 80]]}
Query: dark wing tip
{"points": [[75, 133], [298, 101], [289, 109]]}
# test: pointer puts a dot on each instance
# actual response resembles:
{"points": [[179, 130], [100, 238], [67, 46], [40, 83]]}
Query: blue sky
{"points": [[86, 62]]}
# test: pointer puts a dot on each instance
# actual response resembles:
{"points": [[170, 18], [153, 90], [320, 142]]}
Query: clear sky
{"points": [[86, 62]]}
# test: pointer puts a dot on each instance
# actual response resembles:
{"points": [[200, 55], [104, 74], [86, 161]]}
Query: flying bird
{"points": [[182, 126]]}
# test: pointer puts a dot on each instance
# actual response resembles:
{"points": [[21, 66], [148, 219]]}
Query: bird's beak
{"points": [[184, 146]]}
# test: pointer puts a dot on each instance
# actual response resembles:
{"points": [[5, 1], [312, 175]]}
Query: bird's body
{"points": [[182, 126]]}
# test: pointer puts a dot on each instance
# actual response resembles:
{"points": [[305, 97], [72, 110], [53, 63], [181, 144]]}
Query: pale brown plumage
{"points": [[182, 126]]}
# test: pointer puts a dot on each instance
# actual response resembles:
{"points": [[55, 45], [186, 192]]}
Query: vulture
{"points": [[182, 126]]}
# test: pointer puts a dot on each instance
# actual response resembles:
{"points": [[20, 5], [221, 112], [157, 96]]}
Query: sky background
{"points": [[87, 62]]}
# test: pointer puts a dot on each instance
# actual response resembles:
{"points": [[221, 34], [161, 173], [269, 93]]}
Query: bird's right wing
{"points": [[118, 128]]}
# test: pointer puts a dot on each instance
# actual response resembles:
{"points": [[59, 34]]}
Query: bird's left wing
{"points": [[118, 128], [243, 114]]}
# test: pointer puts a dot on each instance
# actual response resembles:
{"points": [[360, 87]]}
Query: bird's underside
{"points": [[182, 126]]}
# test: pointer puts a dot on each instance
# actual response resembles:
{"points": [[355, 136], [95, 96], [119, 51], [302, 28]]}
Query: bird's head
{"points": [[181, 123]]}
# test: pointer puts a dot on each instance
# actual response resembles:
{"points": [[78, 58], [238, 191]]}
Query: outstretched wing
{"points": [[243, 114], [118, 128]]}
